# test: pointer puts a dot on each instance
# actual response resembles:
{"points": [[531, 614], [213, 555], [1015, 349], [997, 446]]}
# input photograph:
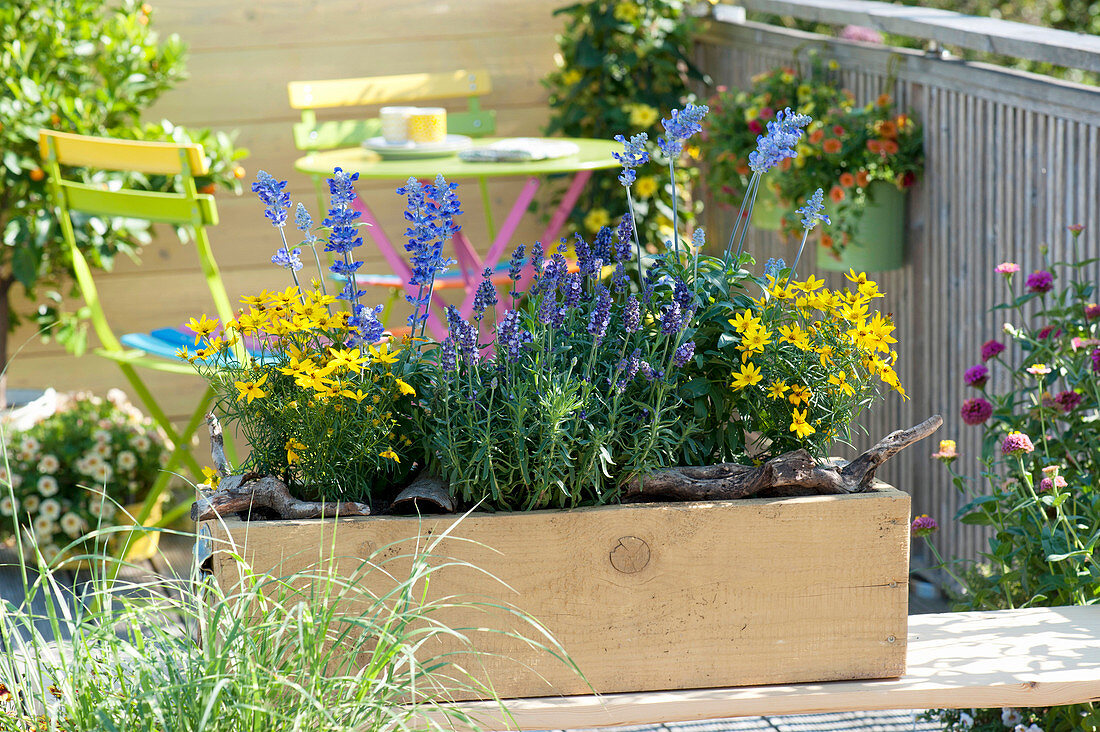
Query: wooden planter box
{"points": [[653, 596]]}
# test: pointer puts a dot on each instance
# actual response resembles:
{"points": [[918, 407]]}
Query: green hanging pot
{"points": [[767, 212], [878, 243]]}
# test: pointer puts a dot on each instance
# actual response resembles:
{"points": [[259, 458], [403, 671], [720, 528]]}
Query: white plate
{"points": [[411, 150]]}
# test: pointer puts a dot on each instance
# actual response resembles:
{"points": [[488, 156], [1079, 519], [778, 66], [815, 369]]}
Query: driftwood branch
{"points": [[426, 494], [791, 474], [266, 495], [217, 446]]}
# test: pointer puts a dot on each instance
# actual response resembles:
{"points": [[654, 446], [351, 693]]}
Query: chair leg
{"points": [[160, 417]]}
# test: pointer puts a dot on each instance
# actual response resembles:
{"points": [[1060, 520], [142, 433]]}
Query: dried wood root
{"points": [[791, 474], [426, 494], [266, 495]]}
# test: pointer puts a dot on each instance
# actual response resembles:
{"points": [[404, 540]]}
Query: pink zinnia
{"points": [[1096, 359], [1040, 281], [1045, 332], [1068, 400], [991, 349], [976, 376], [1076, 229], [923, 525], [1007, 268], [1092, 310], [1017, 443], [755, 127], [975, 411], [1048, 483], [860, 33]]}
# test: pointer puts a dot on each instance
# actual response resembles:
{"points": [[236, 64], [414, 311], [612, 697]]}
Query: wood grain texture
{"points": [[1011, 159], [652, 596], [1021, 658]]}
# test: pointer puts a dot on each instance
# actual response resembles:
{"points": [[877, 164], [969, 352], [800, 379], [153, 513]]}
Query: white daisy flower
{"points": [[1011, 717], [49, 509], [31, 445], [49, 464], [7, 506], [101, 507], [126, 460], [101, 436], [16, 480], [30, 503], [141, 443], [44, 529], [103, 473], [102, 449], [72, 524], [50, 552], [47, 486], [92, 460], [117, 397]]}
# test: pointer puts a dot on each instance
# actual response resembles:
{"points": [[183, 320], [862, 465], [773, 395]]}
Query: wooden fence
{"points": [[1012, 159]]}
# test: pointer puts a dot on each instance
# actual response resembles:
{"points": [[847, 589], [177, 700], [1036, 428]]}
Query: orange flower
{"points": [[889, 147], [838, 130], [903, 122], [886, 128], [874, 146], [826, 241], [785, 164], [847, 180], [862, 179], [883, 100], [831, 146], [742, 167], [836, 193], [816, 136]]}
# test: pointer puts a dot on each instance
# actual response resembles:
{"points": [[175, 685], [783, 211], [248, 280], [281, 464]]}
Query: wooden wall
{"points": [[1011, 160], [242, 55]]}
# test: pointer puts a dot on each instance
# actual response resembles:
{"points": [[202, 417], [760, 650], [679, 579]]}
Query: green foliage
{"points": [[847, 149], [1043, 506], [332, 421], [60, 465], [620, 63], [321, 649], [565, 411], [87, 67]]}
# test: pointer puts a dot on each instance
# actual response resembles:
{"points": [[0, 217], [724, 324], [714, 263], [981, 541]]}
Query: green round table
{"points": [[592, 155]]}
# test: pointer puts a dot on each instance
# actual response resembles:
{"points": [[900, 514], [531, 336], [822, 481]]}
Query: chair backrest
{"points": [[310, 96], [62, 151]]}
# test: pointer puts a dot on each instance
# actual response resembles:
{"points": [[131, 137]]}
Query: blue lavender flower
{"points": [[603, 246], [513, 338], [632, 315], [538, 257], [624, 251], [646, 370], [272, 195], [464, 335], [683, 353], [288, 259], [628, 369], [619, 280], [573, 289], [366, 328], [811, 212], [773, 266], [681, 293], [515, 265], [779, 142], [586, 258], [486, 295], [672, 318], [601, 314], [448, 356], [448, 206], [680, 126], [633, 156]]}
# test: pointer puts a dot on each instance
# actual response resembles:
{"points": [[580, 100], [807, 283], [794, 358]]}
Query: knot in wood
{"points": [[630, 555]]}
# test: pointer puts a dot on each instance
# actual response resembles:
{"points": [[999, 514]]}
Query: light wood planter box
{"points": [[653, 596]]}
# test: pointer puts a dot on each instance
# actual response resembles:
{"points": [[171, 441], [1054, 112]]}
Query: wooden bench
{"points": [[1020, 658]]}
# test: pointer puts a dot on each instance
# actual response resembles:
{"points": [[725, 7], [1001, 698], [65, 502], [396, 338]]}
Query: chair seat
{"points": [[165, 342]]}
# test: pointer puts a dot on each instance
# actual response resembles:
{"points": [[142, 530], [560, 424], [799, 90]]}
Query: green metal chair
{"points": [[62, 152]]}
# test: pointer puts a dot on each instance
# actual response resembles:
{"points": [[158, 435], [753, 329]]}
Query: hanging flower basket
{"points": [[878, 243]]}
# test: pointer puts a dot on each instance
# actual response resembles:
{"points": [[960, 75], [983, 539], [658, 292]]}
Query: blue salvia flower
{"points": [[779, 142], [366, 328], [513, 338], [272, 195], [698, 238], [680, 126], [773, 266], [430, 226], [634, 155], [288, 259], [812, 211], [632, 315], [683, 353], [624, 243], [601, 314], [672, 318], [448, 206], [486, 295], [303, 221], [344, 232], [628, 369]]}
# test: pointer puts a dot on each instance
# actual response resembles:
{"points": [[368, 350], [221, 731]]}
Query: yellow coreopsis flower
{"points": [[404, 388], [382, 354], [357, 395], [744, 321], [840, 380], [348, 359], [202, 327], [749, 375], [858, 279], [390, 455], [645, 186], [251, 389], [811, 284], [293, 447], [642, 116], [211, 477], [795, 336], [777, 389], [800, 426], [753, 341], [800, 395], [596, 219]]}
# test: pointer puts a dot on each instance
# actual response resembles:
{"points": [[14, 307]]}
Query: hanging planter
{"points": [[878, 242], [767, 213]]}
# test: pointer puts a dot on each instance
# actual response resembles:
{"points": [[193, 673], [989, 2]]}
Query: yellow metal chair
{"points": [[63, 151], [311, 134]]}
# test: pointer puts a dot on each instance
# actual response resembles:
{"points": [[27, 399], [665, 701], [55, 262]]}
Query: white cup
{"points": [[395, 124]]}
